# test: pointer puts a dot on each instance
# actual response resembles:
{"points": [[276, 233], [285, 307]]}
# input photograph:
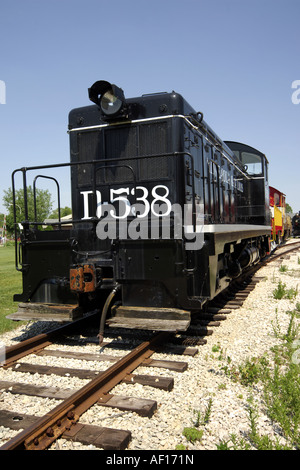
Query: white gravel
{"points": [[247, 332]]}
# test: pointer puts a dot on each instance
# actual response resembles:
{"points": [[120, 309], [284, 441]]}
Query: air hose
{"points": [[104, 312]]}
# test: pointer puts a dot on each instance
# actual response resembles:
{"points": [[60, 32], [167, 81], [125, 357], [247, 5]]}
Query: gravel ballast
{"points": [[247, 332]]}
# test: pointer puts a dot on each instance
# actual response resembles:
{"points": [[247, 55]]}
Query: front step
{"points": [[46, 312], [150, 318]]}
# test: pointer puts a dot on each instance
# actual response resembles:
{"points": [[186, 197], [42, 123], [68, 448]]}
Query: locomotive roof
{"points": [[156, 105], [142, 107], [151, 106], [244, 148]]}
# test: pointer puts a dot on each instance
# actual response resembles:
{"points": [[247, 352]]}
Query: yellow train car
{"points": [[281, 222]]}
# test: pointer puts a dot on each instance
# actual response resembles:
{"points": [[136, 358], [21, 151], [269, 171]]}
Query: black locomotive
{"points": [[296, 225], [164, 215]]}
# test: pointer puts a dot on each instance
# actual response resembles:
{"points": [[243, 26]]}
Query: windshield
{"points": [[252, 163]]}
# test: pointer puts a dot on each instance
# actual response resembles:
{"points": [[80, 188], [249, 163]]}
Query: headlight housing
{"points": [[109, 98]]}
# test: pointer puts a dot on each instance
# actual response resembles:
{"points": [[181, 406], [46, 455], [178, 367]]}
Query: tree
{"points": [[288, 209], [43, 206], [63, 212]]}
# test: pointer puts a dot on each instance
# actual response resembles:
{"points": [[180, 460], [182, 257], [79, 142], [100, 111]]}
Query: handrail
{"points": [[24, 170], [34, 194]]}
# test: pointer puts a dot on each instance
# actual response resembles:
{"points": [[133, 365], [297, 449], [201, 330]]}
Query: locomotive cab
{"points": [[254, 203]]}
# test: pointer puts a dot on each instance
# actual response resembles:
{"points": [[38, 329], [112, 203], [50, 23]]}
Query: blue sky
{"points": [[234, 60]]}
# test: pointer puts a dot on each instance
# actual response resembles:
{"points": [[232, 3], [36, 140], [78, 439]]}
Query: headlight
{"points": [[110, 104], [108, 97]]}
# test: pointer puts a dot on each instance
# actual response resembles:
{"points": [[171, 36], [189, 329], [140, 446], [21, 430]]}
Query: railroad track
{"points": [[64, 419]]}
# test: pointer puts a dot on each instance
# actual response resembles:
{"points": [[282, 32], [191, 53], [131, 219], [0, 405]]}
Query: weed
{"points": [[261, 442], [180, 447], [216, 348], [223, 445], [237, 444], [292, 329], [278, 374], [192, 434], [222, 387], [252, 370], [291, 293], [247, 373], [282, 385], [203, 418], [281, 292], [283, 268]]}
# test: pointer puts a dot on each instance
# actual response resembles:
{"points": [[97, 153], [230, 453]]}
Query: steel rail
{"points": [[47, 429], [36, 343], [273, 256], [268, 259]]}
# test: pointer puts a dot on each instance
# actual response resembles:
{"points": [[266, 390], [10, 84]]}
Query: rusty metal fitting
{"points": [[50, 432], [83, 278], [70, 415]]}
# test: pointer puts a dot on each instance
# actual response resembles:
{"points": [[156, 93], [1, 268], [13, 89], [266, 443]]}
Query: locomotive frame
{"points": [[164, 215]]}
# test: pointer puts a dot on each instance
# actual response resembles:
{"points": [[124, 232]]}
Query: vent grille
{"points": [[125, 142]]}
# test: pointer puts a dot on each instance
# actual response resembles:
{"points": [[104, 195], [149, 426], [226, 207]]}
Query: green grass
{"points": [[10, 284], [281, 292], [279, 378]]}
